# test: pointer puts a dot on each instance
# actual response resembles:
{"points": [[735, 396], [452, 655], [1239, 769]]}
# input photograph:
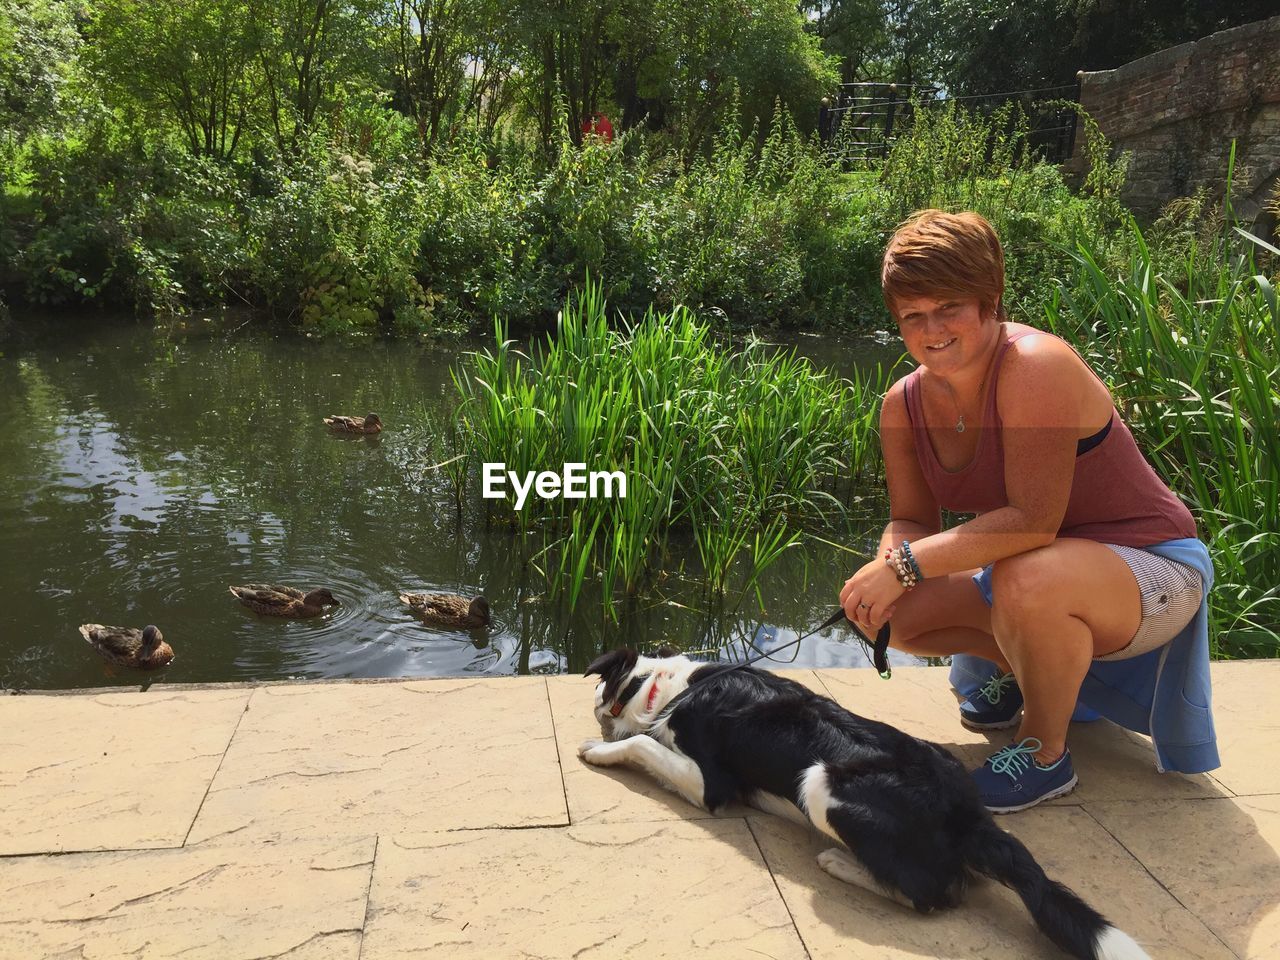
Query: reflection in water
{"points": [[153, 471]]}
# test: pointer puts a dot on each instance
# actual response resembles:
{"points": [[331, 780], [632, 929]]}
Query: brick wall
{"points": [[1177, 111]]}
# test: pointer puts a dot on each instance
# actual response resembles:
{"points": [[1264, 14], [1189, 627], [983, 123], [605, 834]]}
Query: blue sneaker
{"points": [[994, 706], [1012, 779]]}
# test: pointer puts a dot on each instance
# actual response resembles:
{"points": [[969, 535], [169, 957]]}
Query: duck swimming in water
{"points": [[144, 649], [369, 423], [449, 610], [274, 600]]}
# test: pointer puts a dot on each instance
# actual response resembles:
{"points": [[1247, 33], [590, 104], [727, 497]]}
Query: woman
{"points": [[1079, 575]]}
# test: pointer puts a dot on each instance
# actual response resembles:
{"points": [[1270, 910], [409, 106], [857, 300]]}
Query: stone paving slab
{"points": [[646, 890], [305, 900], [840, 921], [1221, 858], [483, 811], [1248, 724], [364, 759], [111, 771]]}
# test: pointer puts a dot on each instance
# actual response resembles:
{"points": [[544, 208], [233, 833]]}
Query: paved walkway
{"points": [[452, 818]]}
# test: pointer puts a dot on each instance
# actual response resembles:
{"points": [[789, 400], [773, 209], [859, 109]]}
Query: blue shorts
{"points": [[983, 579]]}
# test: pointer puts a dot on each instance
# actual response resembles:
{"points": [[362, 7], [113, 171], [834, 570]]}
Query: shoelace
{"points": [[1015, 758], [993, 690]]}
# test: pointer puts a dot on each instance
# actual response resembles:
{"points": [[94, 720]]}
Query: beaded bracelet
{"points": [[915, 567], [902, 570]]}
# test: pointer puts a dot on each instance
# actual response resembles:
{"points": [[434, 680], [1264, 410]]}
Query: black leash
{"points": [[878, 649]]}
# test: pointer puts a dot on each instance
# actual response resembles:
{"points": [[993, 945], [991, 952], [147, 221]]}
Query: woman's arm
{"points": [[1042, 387], [913, 511]]}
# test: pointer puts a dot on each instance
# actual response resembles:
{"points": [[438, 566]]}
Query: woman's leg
{"points": [[1055, 609], [944, 616]]}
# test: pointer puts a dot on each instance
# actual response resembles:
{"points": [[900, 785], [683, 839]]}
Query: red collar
{"points": [[616, 709]]}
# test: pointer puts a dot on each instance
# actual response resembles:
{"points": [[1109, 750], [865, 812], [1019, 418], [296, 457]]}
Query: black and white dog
{"points": [[907, 812]]}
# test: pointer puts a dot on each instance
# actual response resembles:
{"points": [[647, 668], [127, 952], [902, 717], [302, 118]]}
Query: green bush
{"points": [[335, 243], [99, 233], [754, 235], [355, 231], [475, 249]]}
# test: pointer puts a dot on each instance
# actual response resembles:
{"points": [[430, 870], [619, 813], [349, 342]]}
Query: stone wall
{"points": [[1178, 110]]}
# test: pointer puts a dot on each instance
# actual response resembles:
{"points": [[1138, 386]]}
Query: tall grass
{"points": [[1192, 354], [727, 453]]}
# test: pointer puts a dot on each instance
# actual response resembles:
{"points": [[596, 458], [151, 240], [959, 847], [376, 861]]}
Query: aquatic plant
{"points": [[728, 452], [1192, 355]]}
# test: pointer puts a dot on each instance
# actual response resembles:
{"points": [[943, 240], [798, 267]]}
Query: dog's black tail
{"points": [[1062, 916]]}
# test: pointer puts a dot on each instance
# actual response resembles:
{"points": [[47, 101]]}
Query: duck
{"points": [[274, 600], [145, 649], [369, 423], [449, 610]]}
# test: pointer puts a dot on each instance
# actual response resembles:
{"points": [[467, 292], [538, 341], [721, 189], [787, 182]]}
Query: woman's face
{"points": [[944, 334]]}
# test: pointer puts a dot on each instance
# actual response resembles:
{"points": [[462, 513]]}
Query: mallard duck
{"points": [[129, 647], [369, 423], [273, 600], [449, 610]]}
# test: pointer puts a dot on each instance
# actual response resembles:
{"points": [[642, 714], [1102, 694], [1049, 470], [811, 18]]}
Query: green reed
{"points": [[728, 453], [1192, 353]]}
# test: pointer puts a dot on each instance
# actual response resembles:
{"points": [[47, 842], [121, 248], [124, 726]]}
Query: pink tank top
{"points": [[1116, 496]]}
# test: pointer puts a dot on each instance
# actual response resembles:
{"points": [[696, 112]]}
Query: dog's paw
{"points": [[601, 753], [844, 866], [835, 861]]}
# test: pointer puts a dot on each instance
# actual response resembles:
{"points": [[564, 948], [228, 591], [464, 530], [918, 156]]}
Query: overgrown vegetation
{"points": [[354, 231], [1190, 348], [727, 453], [336, 166]]}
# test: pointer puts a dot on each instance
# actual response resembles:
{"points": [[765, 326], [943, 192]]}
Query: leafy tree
{"points": [[492, 61], [308, 51], [39, 45], [713, 51], [990, 46], [191, 63], [858, 32], [452, 60], [565, 48], [431, 38]]}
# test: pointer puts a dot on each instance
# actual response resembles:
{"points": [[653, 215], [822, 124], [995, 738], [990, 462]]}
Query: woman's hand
{"points": [[869, 596]]}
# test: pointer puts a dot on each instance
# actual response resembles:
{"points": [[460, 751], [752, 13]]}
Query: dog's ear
{"points": [[613, 667], [664, 652]]}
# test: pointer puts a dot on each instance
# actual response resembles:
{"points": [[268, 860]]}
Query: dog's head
{"points": [[622, 673]]}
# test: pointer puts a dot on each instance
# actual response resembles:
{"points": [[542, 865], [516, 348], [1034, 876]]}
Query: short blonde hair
{"points": [[936, 254]]}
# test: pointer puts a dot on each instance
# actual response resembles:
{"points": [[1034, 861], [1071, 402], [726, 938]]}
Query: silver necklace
{"points": [[960, 413], [950, 389]]}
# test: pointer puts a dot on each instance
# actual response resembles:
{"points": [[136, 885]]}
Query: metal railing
{"points": [[861, 121]]}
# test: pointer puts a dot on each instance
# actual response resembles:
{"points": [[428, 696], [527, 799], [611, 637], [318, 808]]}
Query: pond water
{"points": [[144, 469]]}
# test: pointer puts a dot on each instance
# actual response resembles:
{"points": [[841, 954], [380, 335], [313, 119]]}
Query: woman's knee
{"points": [[1024, 582]]}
